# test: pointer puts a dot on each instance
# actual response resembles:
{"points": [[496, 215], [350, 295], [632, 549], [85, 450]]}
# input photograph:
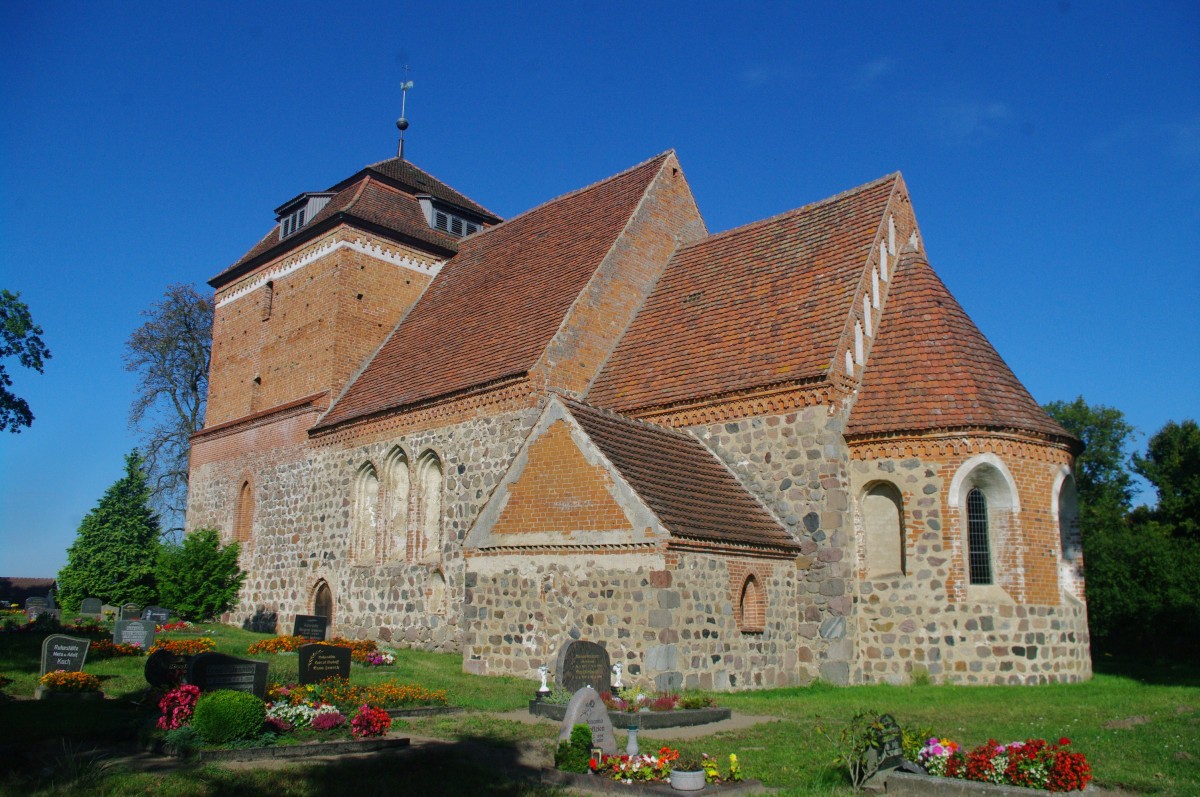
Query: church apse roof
{"points": [[759, 305], [496, 305], [930, 367]]}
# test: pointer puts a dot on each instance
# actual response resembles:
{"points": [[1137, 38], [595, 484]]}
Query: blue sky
{"points": [[1052, 151]]}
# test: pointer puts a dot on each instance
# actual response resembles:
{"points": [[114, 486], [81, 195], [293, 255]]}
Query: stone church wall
{"points": [[796, 464], [671, 617], [928, 619], [304, 508]]}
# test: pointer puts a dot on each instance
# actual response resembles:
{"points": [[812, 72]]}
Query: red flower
{"points": [[1064, 741]]}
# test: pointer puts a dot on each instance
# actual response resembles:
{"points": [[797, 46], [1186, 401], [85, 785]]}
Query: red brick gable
{"points": [[931, 368], [496, 305], [759, 305], [680, 480]]}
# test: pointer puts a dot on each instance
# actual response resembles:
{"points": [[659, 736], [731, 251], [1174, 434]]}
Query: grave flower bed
{"points": [[1033, 763], [107, 649], [63, 681], [343, 694], [178, 625], [657, 701], [87, 625], [185, 647], [360, 649]]}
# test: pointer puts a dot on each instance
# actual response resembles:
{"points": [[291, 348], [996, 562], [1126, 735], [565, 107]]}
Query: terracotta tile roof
{"points": [[690, 491], [758, 305], [422, 182], [931, 368], [368, 200], [495, 306]]}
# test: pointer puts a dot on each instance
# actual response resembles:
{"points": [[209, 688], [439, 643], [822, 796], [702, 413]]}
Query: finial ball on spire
{"points": [[401, 124]]}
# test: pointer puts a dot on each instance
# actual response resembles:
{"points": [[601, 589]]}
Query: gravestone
{"points": [[156, 614], [318, 662], [891, 743], [164, 668], [131, 611], [36, 606], [92, 607], [586, 708], [139, 633], [213, 671], [581, 664], [108, 610], [62, 652], [310, 626]]}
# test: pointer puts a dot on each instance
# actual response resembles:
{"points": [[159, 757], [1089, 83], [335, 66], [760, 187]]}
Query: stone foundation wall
{"points": [[797, 465], [928, 620], [669, 616], [304, 499]]}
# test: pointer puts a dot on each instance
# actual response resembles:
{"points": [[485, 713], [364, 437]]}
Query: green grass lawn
{"points": [[1137, 723]]}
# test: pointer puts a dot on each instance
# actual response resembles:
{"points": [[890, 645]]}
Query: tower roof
{"points": [[931, 368], [758, 305]]}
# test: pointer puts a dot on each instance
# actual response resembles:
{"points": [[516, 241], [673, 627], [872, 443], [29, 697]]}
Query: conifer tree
{"points": [[114, 555], [199, 578]]}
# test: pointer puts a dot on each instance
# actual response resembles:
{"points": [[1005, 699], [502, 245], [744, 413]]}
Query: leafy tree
{"points": [[20, 338], [199, 578], [170, 353], [1101, 472], [114, 554], [1172, 465]]}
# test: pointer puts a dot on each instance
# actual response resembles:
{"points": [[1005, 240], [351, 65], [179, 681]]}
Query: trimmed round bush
{"points": [[225, 716]]}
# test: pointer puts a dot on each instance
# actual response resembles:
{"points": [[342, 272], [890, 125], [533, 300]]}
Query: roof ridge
{"points": [[576, 192], [432, 176], [619, 417], [794, 211]]}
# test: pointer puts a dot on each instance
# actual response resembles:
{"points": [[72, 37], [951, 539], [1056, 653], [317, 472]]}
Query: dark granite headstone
{"points": [[213, 671], [586, 708], [164, 668], [91, 607], [891, 743], [581, 664], [156, 614], [318, 662], [61, 652], [131, 611], [139, 633], [310, 626]]}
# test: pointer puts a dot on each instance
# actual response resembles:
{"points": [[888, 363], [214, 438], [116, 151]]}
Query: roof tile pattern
{"points": [[425, 183], [755, 306], [495, 306], [680, 480], [931, 368]]}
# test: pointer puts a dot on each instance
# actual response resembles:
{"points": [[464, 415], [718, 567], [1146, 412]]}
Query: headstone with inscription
{"points": [[156, 614], [213, 671], [310, 626], [131, 611], [891, 743], [138, 633], [164, 668], [581, 664], [62, 652], [586, 708], [318, 662], [36, 606], [92, 607]]}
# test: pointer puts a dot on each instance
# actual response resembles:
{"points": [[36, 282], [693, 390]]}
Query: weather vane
{"points": [[402, 122]]}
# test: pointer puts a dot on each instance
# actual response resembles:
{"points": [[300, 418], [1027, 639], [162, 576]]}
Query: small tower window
{"points": [[978, 542]]}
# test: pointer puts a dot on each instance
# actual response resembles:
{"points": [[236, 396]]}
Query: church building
{"points": [[742, 459]]}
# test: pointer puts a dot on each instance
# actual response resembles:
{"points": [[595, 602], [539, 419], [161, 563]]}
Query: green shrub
{"points": [[573, 756], [225, 716]]}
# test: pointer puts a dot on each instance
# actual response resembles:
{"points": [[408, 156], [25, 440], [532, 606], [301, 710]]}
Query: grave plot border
{"points": [[645, 720], [593, 784], [286, 751]]}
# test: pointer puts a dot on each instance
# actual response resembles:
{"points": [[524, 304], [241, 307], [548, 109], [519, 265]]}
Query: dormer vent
{"points": [[448, 218], [295, 213]]}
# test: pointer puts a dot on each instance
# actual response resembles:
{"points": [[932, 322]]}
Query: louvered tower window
{"points": [[978, 548]]}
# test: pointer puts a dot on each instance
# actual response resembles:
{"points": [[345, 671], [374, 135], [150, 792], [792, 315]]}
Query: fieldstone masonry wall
{"points": [[928, 619], [797, 465], [303, 527], [669, 616]]}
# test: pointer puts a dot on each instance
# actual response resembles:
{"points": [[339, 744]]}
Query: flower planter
{"points": [[907, 784], [644, 720], [685, 780], [42, 693]]}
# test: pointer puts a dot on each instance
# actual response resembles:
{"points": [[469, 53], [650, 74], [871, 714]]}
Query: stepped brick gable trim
{"points": [[932, 369]]}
